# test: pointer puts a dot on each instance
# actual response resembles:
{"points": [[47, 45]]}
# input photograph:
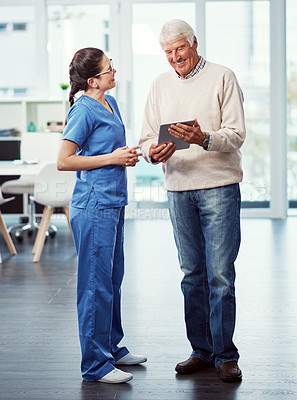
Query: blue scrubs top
{"points": [[97, 131]]}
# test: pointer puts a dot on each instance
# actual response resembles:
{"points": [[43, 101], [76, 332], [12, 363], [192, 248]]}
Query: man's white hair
{"points": [[174, 30]]}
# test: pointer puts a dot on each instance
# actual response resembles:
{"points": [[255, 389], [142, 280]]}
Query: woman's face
{"points": [[107, 75]]}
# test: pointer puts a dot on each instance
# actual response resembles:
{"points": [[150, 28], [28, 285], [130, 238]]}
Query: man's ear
{"points": [[195, 42], [92, 83]]}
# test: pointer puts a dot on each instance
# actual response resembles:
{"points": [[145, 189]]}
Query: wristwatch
{"points": [[206, 141]]}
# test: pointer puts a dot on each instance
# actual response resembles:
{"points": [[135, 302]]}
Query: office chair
{"points": [[3, 227], [22, 185], [11, 150], [53, 189]]}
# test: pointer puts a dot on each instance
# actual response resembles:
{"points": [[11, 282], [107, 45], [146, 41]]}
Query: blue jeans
{"points": [[99, 240], [206, 226]]}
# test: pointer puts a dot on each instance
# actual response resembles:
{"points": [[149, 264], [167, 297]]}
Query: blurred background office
{"points": [[255, 38]]}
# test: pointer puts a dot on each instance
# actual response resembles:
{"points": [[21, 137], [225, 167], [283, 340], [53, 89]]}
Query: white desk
{"points": [[30, 171], [10, 168]]}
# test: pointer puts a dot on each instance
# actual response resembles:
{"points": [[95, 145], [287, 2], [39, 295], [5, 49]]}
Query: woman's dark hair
{"points": [[85, 64]]}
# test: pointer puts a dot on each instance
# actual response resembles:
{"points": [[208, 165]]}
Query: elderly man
{"points": [[202, 184]]}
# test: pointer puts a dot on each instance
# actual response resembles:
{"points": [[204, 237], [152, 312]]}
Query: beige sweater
{"points": [[214, 97]]}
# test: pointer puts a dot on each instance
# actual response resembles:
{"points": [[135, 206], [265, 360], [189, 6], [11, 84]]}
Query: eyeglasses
{"points": [[110, 69]]}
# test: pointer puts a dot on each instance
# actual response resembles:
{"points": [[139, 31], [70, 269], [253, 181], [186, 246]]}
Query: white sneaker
{"points": [[131, 359], [116, 376]]}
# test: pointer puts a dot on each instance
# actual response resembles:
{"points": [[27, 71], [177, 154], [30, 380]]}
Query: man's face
{"points": [[181, 55]]}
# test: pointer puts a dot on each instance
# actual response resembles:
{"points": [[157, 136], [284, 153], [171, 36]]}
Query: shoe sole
{"points": [[119, 381], [131, 363], [230, 379]]}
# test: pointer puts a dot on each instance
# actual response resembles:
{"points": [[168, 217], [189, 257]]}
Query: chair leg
{"points": [[45, 221], [66, 211], [31, 226], [6, 235], [39, 234]]}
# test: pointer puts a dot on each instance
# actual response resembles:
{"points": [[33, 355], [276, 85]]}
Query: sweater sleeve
{"points": [[231, 135]]}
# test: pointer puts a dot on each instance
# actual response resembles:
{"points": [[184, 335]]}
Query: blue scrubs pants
{"points": [[99, 240]]}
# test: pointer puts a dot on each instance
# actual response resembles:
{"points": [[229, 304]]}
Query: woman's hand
{"points": [[69, 161], [125, 156]]}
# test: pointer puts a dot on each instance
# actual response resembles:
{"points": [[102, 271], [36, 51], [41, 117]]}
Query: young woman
{"points": [[94, 145]]}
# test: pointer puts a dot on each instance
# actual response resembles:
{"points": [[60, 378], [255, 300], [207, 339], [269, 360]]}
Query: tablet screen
{"points": [[165, 136]]}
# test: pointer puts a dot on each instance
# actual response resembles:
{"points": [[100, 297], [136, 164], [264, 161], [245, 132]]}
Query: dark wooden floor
{"points": [[39, 347]]}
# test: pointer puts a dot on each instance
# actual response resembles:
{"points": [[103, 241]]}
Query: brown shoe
{"points": [[192, 364], [230, 372]]}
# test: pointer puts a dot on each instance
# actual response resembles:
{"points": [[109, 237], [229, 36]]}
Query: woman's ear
{"points": [[92, 83]]}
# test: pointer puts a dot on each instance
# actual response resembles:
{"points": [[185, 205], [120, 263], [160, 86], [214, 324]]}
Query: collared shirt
{"points": [[192, 73], [195, 70]]}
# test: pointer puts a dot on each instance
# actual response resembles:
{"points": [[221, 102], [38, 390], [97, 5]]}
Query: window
{"points": [[148, 62], [20, 92], [19, 26], [237, 35], [241, 34], [292, 102], [71, 28], [4, 92], [21, 38], [3, 28]]}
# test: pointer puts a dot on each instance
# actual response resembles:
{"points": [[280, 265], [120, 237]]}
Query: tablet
{"points": [[165, 136]]}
